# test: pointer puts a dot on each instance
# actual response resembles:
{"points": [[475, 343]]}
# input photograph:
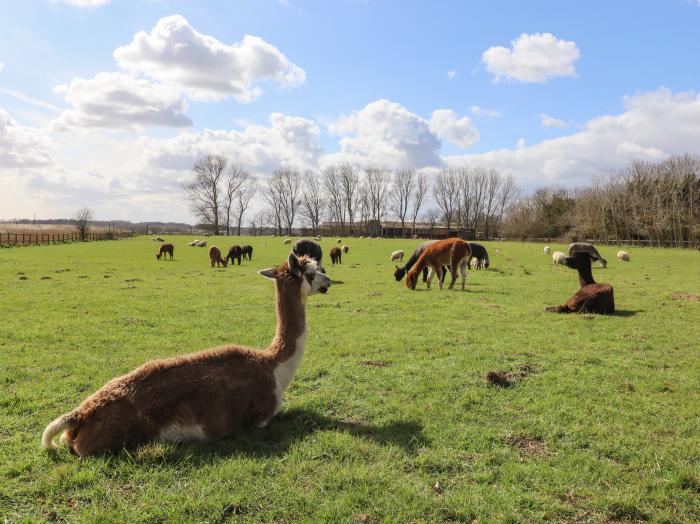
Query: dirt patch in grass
{"points": [[681, 295], [506, 379], [375, 363], [527, 446]]}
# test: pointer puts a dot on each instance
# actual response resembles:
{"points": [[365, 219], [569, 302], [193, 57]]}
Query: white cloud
{"points": [[384, 132], [653, 126], [451, 74], [550, 121], [116, 100], [445, 124], [521, 143], [532, 58], [21, 146], [2, 66], [83, 3], [207, 69], [480, 111]]}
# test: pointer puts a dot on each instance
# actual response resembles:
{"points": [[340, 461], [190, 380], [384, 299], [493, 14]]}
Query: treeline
{"points": [[652, 202]]}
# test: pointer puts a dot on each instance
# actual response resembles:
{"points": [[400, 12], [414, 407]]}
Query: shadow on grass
{"points": [[626, 312], [275, 440]]}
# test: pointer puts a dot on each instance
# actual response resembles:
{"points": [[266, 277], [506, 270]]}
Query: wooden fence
{"points": [[45, 239]]}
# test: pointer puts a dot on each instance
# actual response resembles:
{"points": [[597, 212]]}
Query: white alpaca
{"points": [[397, 255], [623, 256], [558, 257]]}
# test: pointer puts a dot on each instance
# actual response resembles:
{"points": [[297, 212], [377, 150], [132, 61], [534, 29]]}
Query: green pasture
{"points": [[390, 417]]}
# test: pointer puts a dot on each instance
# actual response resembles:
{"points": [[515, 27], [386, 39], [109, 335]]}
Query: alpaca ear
{"points": [[267, 273], [294, 266]]}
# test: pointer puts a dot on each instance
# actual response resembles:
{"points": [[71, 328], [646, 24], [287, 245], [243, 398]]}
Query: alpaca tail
{"points": [[57, 426]]}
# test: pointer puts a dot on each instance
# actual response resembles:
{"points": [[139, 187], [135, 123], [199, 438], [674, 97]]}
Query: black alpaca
{"points": [[247, 252], [592, 297], [234, 252], [401, 271], [479, 252]]}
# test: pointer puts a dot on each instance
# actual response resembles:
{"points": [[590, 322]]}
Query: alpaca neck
{"points": [[585, 276], [291, 322]]}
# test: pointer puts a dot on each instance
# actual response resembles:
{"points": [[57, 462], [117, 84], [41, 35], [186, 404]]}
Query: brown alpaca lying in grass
{"points": [[201, 396], [592, 297], [215, 257], [165, 249], [452, 252]]}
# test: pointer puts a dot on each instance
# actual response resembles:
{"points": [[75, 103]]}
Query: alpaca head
{"points": [[485, 263], [580, 260], [399, 273], [158, 255], [301, 271], [412, 279]]}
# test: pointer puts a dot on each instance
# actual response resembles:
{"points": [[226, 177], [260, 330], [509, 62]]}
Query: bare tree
{"points": [[282, 195], [333, 194], [81, 220], [274, 194], [244, 195], [349, 184], [421, 190], [234, 179], [204, 192], [446, 192], [400, 196], [377, 180], [312, 201], [432, 217]]}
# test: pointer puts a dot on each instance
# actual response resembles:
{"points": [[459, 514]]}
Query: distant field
{"points": [[390, 418]]}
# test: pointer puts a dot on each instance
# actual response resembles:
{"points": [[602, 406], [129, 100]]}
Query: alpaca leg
{"points": [[453, 274], [425, 274], [431, 274], [463, 272], [558, 309]]}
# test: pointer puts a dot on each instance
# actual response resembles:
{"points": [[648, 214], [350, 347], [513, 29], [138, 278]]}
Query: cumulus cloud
{"points": [[287, 141], [83, 3], [532, 58], [653, 126], [207, 69], [480, 111], [550, 121], [451, 74], [386, 133], [21, 146], [116, 100], [460, 131]]}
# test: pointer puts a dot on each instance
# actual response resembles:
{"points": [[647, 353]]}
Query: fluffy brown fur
{"points": [[592, 297], [215, 257], [336, 255], [201, 396], [452, 252], [165, 249]]}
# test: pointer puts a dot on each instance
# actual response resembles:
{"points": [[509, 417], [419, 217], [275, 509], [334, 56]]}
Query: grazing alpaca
{"points": [[247, 251], [592, 297], [454, 252], [287, 240], [585, 247], [558, 257], [623, 256], [234, 253], [167, 249], [336, 256], [340, 240], [311, 249], [201, 243], [401, 271], [201, 396], [346, 249], [397, 255], [480, 254], [546, 250], [215, 257]]}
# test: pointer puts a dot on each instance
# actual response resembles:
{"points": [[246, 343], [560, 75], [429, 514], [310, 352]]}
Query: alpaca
{"points": [[165, 249], [454, 252], [247, 251], [592, 297], [397, 255], [201, 243], [340, 240], [200, 396], [287, 240], [558, 258], [311, 249], [546, 250], [401, 271], [585, 247], [480, 254], [215, 257], [336, 256], [623, 256], [346, 249], [234, 253]]}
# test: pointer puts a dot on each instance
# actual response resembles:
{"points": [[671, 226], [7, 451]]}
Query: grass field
{"points": [[390, 418]]}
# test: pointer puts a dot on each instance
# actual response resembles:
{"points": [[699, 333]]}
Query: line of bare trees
{"points": [[220, 193], [654, 202]]}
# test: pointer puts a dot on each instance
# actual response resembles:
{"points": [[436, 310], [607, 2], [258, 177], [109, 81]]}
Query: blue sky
{"points": [[361, 71]]}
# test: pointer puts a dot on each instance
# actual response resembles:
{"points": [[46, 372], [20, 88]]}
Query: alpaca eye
{"points": [[310, 277]]}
